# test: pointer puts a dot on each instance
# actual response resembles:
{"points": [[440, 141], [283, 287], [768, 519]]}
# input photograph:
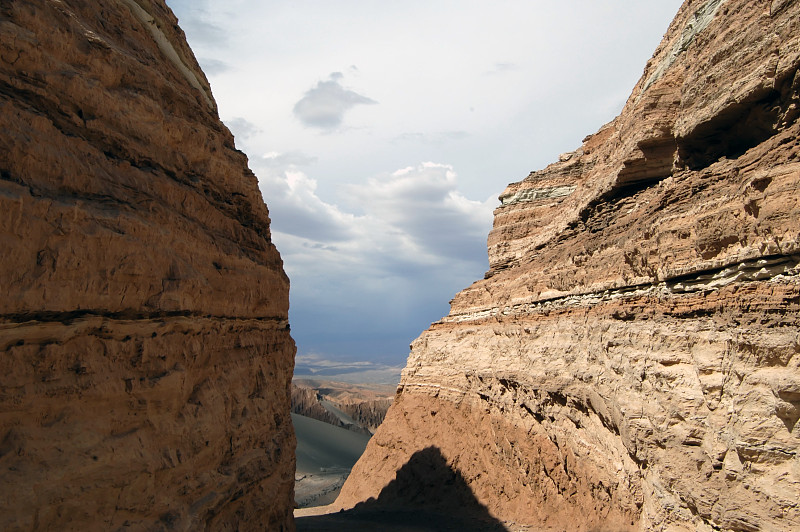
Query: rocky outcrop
{"points": [[353, 407], [308, 402], [368, 414], [146, 356], [632, 358]]}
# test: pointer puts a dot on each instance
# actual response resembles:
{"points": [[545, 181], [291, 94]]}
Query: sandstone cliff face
{"points": [[632, 358], [146, 356]]}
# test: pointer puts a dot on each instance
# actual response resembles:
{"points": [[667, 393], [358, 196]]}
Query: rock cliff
{"points": [[146, 356], [632, 358]]}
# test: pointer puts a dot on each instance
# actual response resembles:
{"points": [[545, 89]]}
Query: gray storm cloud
{"points": [[325, 105]]}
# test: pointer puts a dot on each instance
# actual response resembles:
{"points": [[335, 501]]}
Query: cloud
{"points": [[408, 223], [438, 138], [499, 68], [453, 135], [382, 260], [325, 105], [282, 161], [421, 208], [242, 128], [297, 211], [203, 31], [409, 219], [213, 67], [196, 20]]}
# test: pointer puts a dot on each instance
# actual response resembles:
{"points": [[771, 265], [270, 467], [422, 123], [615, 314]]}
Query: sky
{"points": [[382, 133]]}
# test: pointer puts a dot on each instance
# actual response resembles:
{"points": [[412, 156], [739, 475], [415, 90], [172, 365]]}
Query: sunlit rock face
{"points": [[145, 355], [632, 358]]}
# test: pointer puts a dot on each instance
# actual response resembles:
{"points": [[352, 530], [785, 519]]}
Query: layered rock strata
{"points": [[146, 356], [632, 358]]}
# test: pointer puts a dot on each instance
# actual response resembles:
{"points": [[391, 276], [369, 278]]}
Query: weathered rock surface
{"points": [[632, 358], [146, 356]]}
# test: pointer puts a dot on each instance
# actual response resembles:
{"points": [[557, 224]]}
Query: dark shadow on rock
{"points": [[426, 495]]}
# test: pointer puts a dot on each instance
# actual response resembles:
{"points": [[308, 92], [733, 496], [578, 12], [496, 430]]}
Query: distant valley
{"points": [[356, 407], [333, 422]]}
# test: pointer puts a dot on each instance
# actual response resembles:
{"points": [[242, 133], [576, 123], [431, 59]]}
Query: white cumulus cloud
{"points": [[403, 242], [422, 208]]}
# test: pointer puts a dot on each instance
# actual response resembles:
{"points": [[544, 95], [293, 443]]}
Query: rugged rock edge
{"points": [[632, 358]]}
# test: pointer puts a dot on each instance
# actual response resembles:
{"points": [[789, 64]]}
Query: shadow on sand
{"points": [[426, 495]]}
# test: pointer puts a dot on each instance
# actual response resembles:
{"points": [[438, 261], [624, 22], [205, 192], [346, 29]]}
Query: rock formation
{"points": [[146, 356], [308, 402], [632, 358], [368, 414], [357, 407]]}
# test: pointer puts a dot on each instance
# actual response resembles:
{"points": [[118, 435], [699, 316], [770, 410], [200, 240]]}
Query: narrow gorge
{"points": [[631, 360], [146, 356]]}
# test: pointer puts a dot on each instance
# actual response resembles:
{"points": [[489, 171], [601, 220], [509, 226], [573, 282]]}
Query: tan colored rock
{"points": [[631, 360], [146, 356]]}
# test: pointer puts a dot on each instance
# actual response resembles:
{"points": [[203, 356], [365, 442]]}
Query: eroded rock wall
{"points": [[632, 358], [145, 351]]}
